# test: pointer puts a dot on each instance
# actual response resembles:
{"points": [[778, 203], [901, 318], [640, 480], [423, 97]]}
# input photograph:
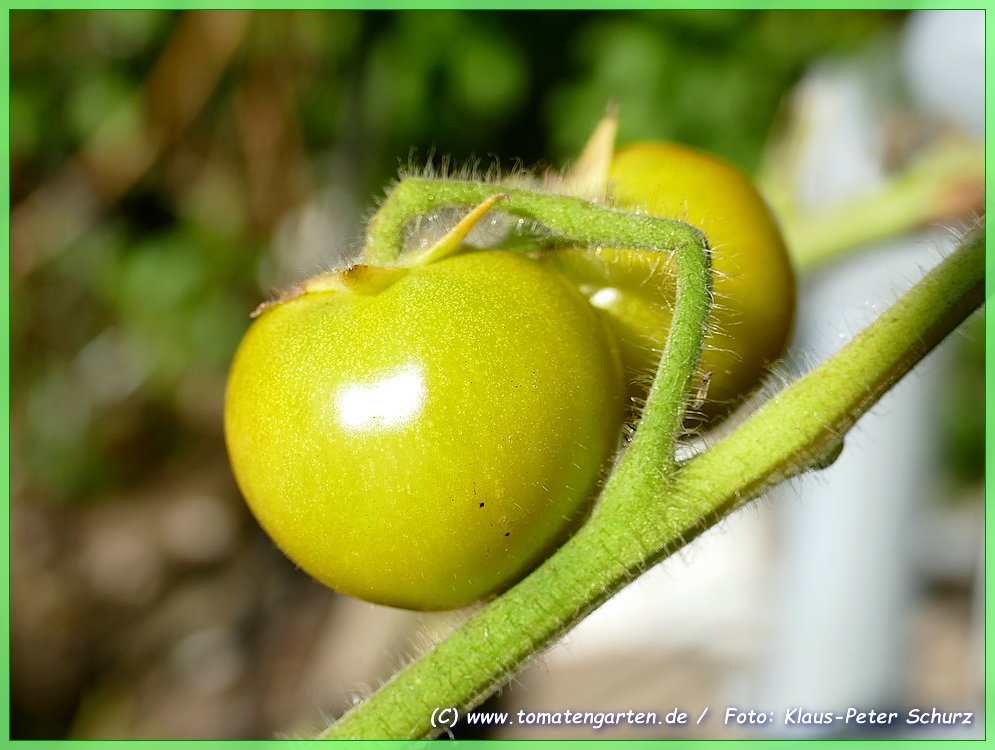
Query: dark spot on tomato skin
{"points": [[507, 533], [481, 505]]}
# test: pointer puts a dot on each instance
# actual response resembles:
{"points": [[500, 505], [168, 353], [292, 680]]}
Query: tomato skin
{"points": [[425, 445], [754, 285]]}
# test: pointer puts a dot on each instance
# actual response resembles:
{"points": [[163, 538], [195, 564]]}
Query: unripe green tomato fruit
{"points": [[425, 442], [753, 282]]}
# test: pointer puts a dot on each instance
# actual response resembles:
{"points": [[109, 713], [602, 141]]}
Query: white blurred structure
{"points": [[944, 65], [850, 565]]}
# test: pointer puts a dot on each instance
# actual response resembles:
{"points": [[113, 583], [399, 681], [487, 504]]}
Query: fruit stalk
{"points": [[573, 221]]}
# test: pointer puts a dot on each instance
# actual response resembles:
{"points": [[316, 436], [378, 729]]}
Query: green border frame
{"points": [[6, 7]]}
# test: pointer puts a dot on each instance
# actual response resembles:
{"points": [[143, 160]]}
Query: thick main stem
{"points": [[794, 431]]}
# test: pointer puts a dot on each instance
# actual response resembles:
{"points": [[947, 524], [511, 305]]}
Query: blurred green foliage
{"points": [[121, 335]]}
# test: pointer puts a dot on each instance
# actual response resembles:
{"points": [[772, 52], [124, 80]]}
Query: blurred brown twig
{"points": [[116, 156]]}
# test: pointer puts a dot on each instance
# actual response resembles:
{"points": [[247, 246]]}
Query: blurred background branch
{"points": [[129, 141]]}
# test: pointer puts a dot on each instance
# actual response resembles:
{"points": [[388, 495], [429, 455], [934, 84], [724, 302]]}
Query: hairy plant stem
{"points": [[646, 512]]}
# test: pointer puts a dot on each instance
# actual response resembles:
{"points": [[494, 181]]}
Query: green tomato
{"points": [[753, 282], [423, 437]]}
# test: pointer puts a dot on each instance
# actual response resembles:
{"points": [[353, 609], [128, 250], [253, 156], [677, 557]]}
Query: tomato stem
{"points": [[638, 526]]}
